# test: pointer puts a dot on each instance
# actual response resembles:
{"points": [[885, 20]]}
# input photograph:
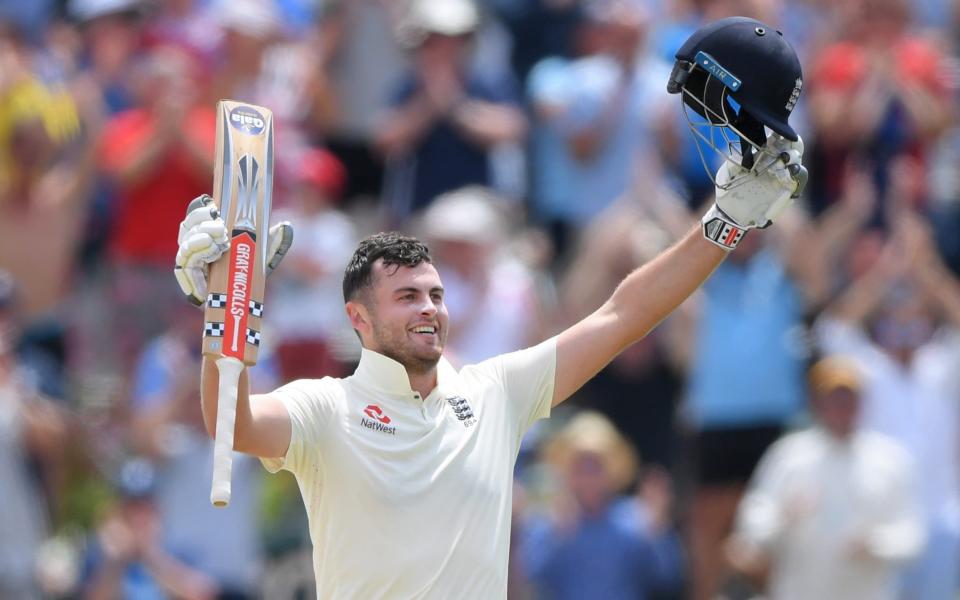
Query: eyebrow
{"points": [[404, 290]]}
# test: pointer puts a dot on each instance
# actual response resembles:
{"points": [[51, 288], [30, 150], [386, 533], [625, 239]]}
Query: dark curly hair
{"points": [[394, 248]]}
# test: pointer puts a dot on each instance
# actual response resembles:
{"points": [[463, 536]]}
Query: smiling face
{"points": [[402, 315]]}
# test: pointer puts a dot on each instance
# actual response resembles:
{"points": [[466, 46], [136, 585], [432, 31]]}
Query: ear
{"points": [[359, 316]]}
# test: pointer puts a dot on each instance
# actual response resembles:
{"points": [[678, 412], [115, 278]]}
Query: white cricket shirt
{"points": [[410, 497]]}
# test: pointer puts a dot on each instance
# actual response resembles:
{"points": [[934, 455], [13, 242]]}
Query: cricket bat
{"points": [[242, 191]]}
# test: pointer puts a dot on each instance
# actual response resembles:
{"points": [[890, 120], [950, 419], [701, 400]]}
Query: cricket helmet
{"points": [[740, 76]]}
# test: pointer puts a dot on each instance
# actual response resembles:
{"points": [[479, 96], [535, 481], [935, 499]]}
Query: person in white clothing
{"points": [[406, 466], [900, 322], [831, 511]]}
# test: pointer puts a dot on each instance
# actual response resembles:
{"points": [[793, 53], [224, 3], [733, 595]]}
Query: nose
{"points": [[429, 307]]}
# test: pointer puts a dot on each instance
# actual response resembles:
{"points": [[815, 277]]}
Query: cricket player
{"points": [[405, 467]]}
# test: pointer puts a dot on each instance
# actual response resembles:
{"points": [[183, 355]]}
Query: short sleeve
{"points": [[311, 404], [528, 378]]}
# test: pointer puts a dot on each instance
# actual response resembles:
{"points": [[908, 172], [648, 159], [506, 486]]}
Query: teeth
{"points": [[423, 330]]}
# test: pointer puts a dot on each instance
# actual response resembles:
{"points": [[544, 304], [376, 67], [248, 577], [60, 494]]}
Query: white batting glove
{"points": [[749, 199], [203, 238]]}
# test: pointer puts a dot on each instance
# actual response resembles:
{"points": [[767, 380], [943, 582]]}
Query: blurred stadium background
{"points": [[533, 145]]}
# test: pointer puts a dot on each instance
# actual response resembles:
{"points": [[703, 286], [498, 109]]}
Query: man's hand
{"points": [[117, 540], [749, 199], [203, 239]]}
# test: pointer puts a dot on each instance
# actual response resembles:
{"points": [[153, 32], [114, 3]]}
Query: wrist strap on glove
{"points": [[720, 229]]}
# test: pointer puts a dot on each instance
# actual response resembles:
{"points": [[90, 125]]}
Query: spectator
{"points": [[445, 118], [596, 118], [899, 321], [32, 432], [309, 340], [831, 509], [155, 155], [598, 544], [640, 390], [45, 177], [363, 39], [127, 558], [112, 39], [538, 28], [745, 383], [166, 425], [188, 25], [259, 64], [880, 93], [248, 29]]}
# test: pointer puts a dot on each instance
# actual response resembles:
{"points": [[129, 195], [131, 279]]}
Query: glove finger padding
{"points": [[799, 175], [200, 210], [755, 198], [196, 253], [192, 282], [203, 238]]}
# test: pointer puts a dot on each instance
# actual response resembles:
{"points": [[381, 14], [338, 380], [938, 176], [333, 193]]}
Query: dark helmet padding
{"points": [[719, 111]]}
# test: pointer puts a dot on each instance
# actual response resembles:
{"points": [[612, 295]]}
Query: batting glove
{"points": [[203, 238], [754, 198]]}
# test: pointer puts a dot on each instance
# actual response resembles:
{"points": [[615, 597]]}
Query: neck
{"points": [[423, 383], [838, 435]]}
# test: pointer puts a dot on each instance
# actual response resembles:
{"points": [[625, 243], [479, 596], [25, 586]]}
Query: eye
{"points": [[407, 297], [437, 297]]}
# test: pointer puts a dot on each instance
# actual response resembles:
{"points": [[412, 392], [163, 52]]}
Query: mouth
{"points": [[425, 331]]}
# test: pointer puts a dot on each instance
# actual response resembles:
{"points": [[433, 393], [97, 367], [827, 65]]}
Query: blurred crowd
{"points": [[791, 432]]}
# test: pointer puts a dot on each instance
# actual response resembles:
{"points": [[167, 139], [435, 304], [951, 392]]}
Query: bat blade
{"points": [[242, 190]]}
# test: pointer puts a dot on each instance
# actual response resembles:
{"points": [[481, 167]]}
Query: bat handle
{"points": [[229, 369]]}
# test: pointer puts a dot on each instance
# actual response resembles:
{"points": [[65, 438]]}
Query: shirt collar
{"points": [[382, 372], [832, 441]]}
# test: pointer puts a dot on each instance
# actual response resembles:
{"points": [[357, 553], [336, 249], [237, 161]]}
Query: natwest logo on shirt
{"points": [[375, 412], [380, 420]]}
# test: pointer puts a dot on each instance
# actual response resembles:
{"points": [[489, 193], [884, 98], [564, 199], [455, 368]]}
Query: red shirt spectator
{"points": [[151, 203], [876, 97]]}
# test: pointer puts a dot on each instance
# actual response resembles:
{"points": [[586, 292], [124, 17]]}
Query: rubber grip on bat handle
{"points": [[229, 369]]}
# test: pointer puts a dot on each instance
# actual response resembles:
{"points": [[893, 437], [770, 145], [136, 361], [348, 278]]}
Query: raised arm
{"points": [[643, 299], [928, 270], [650, 293], [263, 425]]}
